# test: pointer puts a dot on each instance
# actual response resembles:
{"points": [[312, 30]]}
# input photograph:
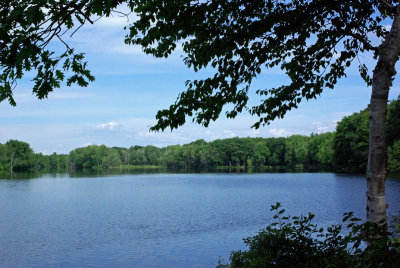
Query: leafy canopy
{"points": [[313, 42]]}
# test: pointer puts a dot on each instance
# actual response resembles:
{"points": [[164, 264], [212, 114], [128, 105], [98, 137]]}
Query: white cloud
{"points": [[322, 127], [281, 132], [109, 126]]}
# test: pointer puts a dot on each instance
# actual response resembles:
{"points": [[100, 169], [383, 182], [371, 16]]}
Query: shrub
{"points": [[293, 241]]}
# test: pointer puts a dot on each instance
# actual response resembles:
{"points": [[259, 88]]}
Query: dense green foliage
{"points": [[197, 155], [351, 140], [94, 158], [310, 152], [18, 156], [233, 152], [393, 122], [297, 242]]}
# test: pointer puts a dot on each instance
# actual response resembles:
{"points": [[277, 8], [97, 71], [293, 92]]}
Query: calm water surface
{"points": [[160, 220]]}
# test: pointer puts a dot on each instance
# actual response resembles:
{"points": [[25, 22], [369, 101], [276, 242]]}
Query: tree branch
{"points": [[367, 45]]}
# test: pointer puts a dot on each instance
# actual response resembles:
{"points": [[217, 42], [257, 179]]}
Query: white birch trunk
{"points": [[377, 157]]}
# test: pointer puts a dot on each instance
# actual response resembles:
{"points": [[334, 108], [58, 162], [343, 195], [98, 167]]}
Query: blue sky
{"points": [[120, 106]]}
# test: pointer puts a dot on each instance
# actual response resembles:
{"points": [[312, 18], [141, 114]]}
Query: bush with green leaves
{"points": [[293, 241]]}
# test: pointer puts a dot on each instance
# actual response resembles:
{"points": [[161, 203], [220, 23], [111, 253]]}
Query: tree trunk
{"points": [[377, 156], [12, 158]]}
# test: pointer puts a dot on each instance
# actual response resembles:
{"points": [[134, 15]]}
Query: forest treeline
{"points": [[345, 150]]}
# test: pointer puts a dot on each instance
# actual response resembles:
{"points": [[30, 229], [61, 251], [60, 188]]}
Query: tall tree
{"points": [[19, 156], [351, 142], [313, 41]]}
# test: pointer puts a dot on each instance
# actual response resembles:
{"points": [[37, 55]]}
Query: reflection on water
{"points": [[152, 170], [159, 220]]}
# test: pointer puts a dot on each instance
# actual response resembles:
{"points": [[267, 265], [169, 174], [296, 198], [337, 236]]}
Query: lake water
{"points": [[160, 220]]}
